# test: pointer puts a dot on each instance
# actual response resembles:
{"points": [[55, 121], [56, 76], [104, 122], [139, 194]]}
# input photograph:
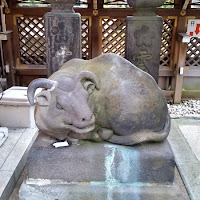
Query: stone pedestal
{"points": [[143, 36], [63, 34], [143, 42], [99, 171]]}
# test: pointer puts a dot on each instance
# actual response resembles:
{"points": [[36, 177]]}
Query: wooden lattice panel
{"points": [[85, 38], [167, 33], [113, 36], [193, 53], [31, 40]]}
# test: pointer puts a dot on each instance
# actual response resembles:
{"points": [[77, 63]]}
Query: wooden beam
{"points": [[6, 38], [96, 36], [31, 72], [179, 75], [117, 12]]}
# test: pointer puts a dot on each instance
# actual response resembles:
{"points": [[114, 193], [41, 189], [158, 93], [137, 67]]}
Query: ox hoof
{"points": [[105, 134], [95, 137]]}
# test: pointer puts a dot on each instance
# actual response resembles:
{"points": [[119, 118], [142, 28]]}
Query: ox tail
{"points": [[143, 136]]}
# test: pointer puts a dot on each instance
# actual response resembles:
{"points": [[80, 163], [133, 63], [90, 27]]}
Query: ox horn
{"points": [[39, 83], [88, 75]]}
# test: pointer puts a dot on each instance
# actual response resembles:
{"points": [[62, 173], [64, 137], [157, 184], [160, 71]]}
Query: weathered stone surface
{"points": [[143, 42], [63, 38], [103, 99], [101, 162], [34, 190]]}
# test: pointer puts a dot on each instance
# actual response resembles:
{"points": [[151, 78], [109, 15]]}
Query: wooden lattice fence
{"points": [[86, 53], [113, 36], [193, 53], [32, 40], [167, 41]]}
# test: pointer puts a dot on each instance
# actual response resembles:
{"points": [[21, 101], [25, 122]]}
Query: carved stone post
{"points": [[143, 36], [63, 34]]}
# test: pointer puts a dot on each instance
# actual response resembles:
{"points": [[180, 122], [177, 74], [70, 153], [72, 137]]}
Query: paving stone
{"points": [[7, 183], [8, 146], [192, 135], [186, 160], [21, 147], [180, 147], [14, 154], [191, 177]]}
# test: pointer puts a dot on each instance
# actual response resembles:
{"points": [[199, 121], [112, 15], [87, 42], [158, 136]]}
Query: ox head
{"points": [[62, 106]]}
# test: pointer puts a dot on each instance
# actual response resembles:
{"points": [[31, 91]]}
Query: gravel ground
{"points": [[187, 108]]}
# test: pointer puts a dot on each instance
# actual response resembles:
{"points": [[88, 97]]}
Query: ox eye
{"points": [[59, 106]]}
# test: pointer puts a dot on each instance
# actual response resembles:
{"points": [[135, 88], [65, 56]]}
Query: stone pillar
{"points": [[143, 36], [63, 34]]}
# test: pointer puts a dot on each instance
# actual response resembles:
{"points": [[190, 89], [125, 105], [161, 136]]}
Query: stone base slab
{"points": [[101, 162], [54, 190]]}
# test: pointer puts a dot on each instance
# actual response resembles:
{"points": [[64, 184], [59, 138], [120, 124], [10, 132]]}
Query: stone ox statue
{"points": [[103, 99]]}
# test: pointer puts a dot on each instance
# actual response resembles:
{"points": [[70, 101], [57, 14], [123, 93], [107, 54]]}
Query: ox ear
{"points": [[89, 86], [88, 80], [43, 98]]}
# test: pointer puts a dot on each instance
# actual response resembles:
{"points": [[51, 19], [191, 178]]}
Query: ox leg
{"points": [[94, 136], [139, 137], [142, 136], [86, 136]]}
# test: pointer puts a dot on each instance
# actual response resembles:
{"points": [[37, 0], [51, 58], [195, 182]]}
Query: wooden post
{"points": [[180, 62], [6, 37], [96, 31], [96, 34], [179, 75]]}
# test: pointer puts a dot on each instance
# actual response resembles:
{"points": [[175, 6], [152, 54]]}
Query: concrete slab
{"points": [[185, 149], [13, 155]]}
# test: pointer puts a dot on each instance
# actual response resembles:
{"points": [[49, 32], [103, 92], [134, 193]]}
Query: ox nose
{"points": [[89, 117]]}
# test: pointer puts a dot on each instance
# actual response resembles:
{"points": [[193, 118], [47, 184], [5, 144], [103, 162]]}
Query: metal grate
{"points": [[167, 33], [85, 39], [31, 40], [193, 53], [113, 36]]}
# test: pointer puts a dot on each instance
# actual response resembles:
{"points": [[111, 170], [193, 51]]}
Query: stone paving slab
{"points": [[13, 155], [192, 136], [184, 140], [9, 144], [179, 139]]}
